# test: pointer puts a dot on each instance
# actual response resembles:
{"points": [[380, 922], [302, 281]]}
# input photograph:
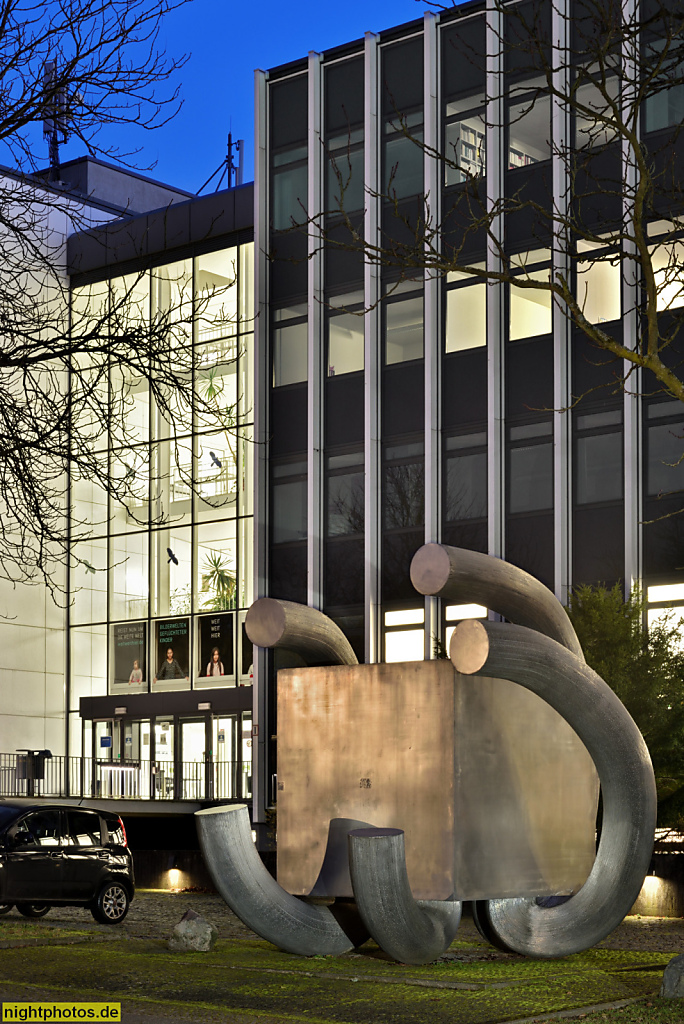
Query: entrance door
{"points": [[164, 758], [193, 773], [226, 757]]}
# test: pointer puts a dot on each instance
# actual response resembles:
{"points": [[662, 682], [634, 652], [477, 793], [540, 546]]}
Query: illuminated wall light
{"points": [[174, 877]]}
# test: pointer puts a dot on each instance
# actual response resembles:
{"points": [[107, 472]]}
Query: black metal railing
{"points": [[125, 779]]}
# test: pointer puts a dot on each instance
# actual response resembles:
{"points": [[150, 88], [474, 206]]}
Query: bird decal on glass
{"points": [[215, 459], [172, 557]]}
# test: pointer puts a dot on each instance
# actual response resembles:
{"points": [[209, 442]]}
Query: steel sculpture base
{"points": [[413, 932]]}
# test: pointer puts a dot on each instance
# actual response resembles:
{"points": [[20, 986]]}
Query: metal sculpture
{"points": [[535, 651]]}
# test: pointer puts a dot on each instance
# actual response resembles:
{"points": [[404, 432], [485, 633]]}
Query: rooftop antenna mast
{"points": [[231, 167], [55, 119]]}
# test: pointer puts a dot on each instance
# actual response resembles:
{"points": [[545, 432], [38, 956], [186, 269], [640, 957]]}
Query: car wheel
{"points": [[111, 904], [5, 908], [33, 909]]}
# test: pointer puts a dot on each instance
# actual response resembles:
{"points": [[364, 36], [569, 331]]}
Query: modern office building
{"points": [[376, 409], [396, 407]]}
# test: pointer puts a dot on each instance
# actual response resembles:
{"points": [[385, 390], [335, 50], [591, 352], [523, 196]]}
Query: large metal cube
{"points": [[496, 794]]}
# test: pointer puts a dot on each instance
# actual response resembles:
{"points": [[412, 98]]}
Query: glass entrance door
{"points": [[226, 757], [193, 752], [164, 762]]}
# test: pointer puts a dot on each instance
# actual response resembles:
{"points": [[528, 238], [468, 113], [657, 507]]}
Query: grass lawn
{"points": [[250, 980]]}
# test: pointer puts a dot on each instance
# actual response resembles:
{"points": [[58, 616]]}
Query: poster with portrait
{"points": [[172, 654], [215, 650], [129, 657]]}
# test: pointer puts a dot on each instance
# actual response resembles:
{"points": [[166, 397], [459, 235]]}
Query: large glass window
{"points": [[175, 540]]}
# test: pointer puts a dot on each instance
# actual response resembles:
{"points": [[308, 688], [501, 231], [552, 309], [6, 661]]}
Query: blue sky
{"points": [[227, 41]]}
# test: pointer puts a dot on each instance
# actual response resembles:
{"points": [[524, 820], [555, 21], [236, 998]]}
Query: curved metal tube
{"points": [[297, 627], [469, 576], [504, 651], [225, 837], [411, 931]]}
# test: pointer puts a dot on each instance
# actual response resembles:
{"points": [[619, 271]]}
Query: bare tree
{"points": [[615, 89], [70, 370]]}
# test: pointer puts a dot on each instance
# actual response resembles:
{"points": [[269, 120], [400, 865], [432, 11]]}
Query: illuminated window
{"points": [[402, 643], [598, 283], [466, 317], [530, 308], [455, 613]]}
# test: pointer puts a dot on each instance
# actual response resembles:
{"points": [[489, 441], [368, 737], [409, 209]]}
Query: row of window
{"points": [[599, 282]]}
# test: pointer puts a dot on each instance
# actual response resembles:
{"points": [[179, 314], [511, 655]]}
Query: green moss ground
{"points": [[254, 978]]}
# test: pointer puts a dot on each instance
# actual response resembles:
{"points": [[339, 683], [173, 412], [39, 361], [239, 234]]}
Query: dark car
{"points": [[64, 856]]}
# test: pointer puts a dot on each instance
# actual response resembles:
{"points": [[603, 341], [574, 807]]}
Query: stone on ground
{"points": [[673, 979], [193, 934]]}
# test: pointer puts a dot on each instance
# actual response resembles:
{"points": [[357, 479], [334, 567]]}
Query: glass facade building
{"points": [[159, 586]]}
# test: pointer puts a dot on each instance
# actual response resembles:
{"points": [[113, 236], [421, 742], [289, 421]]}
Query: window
{"points": [[599, 277], [175, 539], [466, 312], [289, 502], [529, 308], [530, 468], [464, 139], [345, 325], [665, 446], [598, 458], [404, 486], [664, 108], [665, 603], [289, 339], [289, 187], [592, 108], [41, 828], [83, 829], [403, 156], [344, 172], [529, 123], [668, 267], [403, 320], [403, 641], [465, 466], [345, 506], [455, 613]]}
